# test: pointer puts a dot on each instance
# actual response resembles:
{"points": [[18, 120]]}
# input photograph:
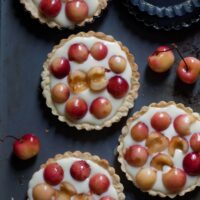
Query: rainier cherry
{"points": [[99, 51], [195, 142], [76, 10], [78, 52], [26, 147], [191, 164], [60, 93], [117, 64], [145, 178], [50, 8], [43, 191], [60, 67], [174, 180], [117, 87], [182, 124], [136, 155], [139, 131], [101, 107], [161, 60], [53, 174], [76, 108], [80, 170], [160, 121], [189, 70], [99, 183], [107, 198]]}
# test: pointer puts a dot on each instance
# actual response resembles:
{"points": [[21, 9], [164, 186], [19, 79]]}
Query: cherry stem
{"points": [[8, 136], [174, 46], [179, 53]]}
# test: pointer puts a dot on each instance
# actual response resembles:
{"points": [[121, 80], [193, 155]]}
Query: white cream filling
{"points": [[81, 187], [88, 95], [62, 19], [173, 111]]}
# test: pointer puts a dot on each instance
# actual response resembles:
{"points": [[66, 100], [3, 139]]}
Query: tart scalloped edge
{"points": [[33, 10], [125, 132], [128, 101], [96, 159]]}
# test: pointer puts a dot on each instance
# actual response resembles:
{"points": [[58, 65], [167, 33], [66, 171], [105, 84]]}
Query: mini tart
{"points": [[63, 17], [103, 83], [73, 184], [154, 150]]}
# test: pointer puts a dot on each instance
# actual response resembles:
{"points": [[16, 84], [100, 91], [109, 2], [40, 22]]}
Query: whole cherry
{"points": [[191, 163], [53, 173], [50, 8], [161, 59], [189, 70], [25, 147]]}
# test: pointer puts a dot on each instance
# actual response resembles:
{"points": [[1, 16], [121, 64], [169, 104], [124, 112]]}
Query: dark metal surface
{"points": [[24, 46]]}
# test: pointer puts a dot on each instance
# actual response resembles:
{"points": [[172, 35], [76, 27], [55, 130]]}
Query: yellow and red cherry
{"points": [[117, 64], [160, 121], [76, 108], [107, 198], [53, 174], [80, 170], [43, 191], [76, 10], [99, 51], [26, 147], [146, 178], [139, 132], [78, 52], [50, 8], [174, 180], [60, 67], [101, 107], [182, 124], [161, 60], [60, 93], [195, 142], [189, 70], [99, 183], [191, 164], [136, 155], [117, 87]]}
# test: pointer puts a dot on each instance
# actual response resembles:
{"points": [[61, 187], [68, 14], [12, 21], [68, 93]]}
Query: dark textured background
{"points": [[24, 46]]}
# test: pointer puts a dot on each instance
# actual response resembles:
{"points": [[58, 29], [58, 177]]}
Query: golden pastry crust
{"points": [[96, 159], [128, 101], [35, 13], [125, 132]]}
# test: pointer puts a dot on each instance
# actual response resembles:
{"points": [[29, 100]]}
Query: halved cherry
{"points": [[53, 174], [50, 8], [99, 51], [80, 170], [76, 10], [60, 67], [78, 52]]}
